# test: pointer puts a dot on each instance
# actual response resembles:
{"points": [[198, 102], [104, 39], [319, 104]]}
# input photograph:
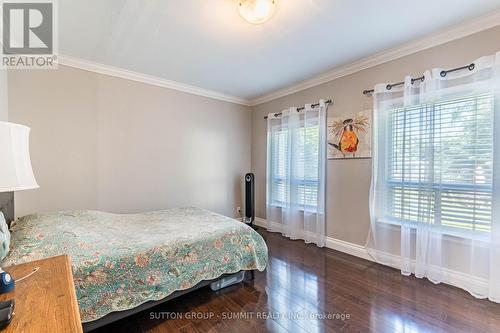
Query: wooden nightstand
{"points": [[45, 301]]}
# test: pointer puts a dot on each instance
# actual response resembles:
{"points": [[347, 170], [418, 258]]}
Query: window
{"points": [[304, 178], [440, 163]]}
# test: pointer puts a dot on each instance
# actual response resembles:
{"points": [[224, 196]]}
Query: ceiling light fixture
{"points": [[257, 11]]}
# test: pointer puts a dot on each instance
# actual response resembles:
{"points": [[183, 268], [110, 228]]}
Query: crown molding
{"points": [[148, 79], [467, 28], [470, 27]]}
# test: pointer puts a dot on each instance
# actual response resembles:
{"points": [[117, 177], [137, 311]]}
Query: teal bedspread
{"points": [[122, 261]]}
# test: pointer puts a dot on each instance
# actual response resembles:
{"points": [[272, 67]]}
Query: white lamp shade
{"points": [[15, 164]]}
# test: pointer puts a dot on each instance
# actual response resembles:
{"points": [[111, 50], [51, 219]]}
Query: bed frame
{"points": [[114, 316]]}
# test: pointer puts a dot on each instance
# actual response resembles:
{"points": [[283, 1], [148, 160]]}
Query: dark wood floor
{"points": [[304, 282]]}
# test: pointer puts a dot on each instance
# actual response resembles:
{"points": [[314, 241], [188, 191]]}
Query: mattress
{"points": [[122, 261]]}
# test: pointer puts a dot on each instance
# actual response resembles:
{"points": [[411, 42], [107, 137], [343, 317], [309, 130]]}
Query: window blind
{"points": [[440, 163], [304, 177], [279, 166]]}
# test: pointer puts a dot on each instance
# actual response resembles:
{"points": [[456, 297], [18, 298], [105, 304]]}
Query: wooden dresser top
{"points": [[45, 301]]}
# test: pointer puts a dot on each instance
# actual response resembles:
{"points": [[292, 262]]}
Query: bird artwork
{"points": [[349, 136]]}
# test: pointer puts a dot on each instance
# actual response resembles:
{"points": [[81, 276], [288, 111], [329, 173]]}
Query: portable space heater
{"points": [[249, 199]]}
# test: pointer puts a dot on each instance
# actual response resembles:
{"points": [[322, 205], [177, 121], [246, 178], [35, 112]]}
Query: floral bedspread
{"points": [[122, 261]]}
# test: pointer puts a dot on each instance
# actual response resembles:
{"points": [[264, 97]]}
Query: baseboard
{"points": [[331, 243], [348, 248], [451, 277]]}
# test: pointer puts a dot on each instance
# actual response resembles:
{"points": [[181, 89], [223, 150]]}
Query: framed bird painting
{"points": [[350, 136]]}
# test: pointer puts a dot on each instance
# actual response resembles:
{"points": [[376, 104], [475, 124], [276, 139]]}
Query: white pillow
{"points": [[4, 237]]}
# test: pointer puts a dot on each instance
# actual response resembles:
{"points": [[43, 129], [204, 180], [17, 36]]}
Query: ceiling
{"points": [[205, 43]]}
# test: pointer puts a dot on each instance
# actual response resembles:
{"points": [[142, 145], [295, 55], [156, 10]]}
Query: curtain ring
{"points": [[443, 73], [422, 79], [472, 66], [388, 87]]}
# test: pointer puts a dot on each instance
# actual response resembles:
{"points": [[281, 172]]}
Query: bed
{"points": [[122, 262]]}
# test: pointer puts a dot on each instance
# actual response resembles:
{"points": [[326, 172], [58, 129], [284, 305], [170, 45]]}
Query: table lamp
{"points": [[16, 174]]}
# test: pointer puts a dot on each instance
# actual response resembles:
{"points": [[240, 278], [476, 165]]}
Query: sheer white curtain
{"points": [[296, 176], [435, 194]]}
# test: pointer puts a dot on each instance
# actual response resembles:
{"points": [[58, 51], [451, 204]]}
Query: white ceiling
{"points": [[204, 43]]}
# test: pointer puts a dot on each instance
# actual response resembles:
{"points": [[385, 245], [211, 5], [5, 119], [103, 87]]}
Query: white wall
{"points": [[100, 142]]}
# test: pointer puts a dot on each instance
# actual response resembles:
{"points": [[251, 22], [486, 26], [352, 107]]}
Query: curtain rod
{"points": [[302, 108], [422, 78]]}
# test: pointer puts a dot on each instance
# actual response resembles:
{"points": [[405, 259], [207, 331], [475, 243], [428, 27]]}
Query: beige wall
{"points": [[5, 198], [4, 111], [100, 142], [112, 144], [348, 181]]}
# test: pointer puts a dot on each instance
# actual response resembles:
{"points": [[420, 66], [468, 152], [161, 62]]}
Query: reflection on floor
{"points": [[307, 289]]}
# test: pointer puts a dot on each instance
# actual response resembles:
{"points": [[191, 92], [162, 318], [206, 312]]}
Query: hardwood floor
{"points": [[304, 282]]}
